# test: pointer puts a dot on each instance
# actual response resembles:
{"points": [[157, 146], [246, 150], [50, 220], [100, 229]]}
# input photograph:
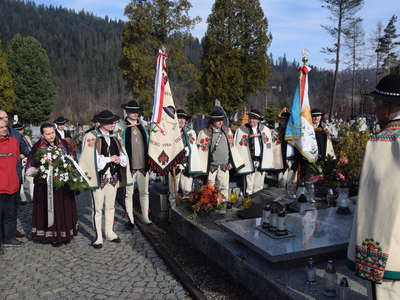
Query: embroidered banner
{"points": [[300, 130], [166, 148]]}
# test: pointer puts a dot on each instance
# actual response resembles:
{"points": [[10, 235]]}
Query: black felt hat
{"points": [[217, 114], [316, 112], [61, 121], [18, 126], [131, 106], [388, 89], [182, 114], [106, 117], [255, 114], [284, 114]]}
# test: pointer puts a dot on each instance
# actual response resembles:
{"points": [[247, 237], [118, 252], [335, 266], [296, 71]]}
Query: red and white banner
{"points": [[166, 148]]}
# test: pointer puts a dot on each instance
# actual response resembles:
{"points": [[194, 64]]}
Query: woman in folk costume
{"points": [[135, 137], [191, 163], [217, 151], [65, 225], [374, 243], [105, 161], [254, 145]]}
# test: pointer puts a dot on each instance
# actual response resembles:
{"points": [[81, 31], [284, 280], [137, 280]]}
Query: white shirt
{"points": [[102, 160], [62, 133], [257, 146]]}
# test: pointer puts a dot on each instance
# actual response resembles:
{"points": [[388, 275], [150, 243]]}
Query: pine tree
{"points": [[343, 11], [387, 45], [234, 64], [375, 56], [30, 69], [354, 41], [7, 95], [152, 24]]}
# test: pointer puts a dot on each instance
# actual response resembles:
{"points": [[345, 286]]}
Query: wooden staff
{"points": [[177, 199], [298, 172]]}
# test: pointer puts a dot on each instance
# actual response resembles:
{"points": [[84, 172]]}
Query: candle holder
{"points": [[344, 289], [311, 274], [273, 219], [343, 202], [281, 228], [266, 216], [330, 280]]}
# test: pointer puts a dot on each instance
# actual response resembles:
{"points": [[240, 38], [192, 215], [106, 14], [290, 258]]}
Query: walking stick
{"points": [[177, 199]]}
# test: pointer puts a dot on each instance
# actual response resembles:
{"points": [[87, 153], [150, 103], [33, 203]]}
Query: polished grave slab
{"points": [[316, 232]]}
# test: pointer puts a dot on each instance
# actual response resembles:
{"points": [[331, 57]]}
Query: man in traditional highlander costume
{"points": [[217, 151], [105, 161], [254, 143], [135, 137], [191, 163], [323, 137], [374, 243]]}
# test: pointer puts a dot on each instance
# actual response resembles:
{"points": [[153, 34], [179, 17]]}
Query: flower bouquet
{"points": [[65, 170], [330, 172], [205, 199]]}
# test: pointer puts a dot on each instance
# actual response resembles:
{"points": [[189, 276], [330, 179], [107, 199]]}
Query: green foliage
{"points": [[234, 64], [30, 69], [7, 95], [153, 24], [271, 116], [387, 45], [351, 144], [83, 50]]}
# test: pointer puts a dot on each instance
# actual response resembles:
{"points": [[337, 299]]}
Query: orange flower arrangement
{"points": [[207, 198]]}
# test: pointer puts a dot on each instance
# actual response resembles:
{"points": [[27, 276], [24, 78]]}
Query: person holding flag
{"points": [[300, 130], [166, 148]]}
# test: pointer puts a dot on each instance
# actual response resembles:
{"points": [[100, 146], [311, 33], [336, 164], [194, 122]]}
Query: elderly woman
{"points": [[59, 224]]}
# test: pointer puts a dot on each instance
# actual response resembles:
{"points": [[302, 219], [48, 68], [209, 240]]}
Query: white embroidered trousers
{"points": [[104, 199], [255, 180], [141, 182], [221, 179], [181, 181]]}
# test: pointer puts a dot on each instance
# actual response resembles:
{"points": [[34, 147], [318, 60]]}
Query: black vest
{"points": [[321, 138], [108, 151], [251, 140]]}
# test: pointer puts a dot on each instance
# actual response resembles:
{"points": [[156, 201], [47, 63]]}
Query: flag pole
{"points": [[177, 199]]}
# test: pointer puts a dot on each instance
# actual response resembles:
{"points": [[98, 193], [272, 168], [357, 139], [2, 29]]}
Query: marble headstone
{"points": [[316, 232]]}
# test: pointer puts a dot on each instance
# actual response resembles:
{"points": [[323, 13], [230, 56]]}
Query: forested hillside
{"points": [[85, 50]]}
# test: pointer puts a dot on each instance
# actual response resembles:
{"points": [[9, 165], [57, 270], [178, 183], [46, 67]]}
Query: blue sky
{"points": [[294, 24]]}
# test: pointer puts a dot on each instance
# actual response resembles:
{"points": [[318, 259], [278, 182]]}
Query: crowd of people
{"points": [[114, 154]]}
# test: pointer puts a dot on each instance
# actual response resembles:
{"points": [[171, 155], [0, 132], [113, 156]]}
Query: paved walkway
{"points": [[130, 270]]}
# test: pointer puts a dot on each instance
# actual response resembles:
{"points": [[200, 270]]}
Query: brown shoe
{"points": [[19, 234]]}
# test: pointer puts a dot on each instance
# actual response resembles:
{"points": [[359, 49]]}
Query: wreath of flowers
{"points": [[64, 171]]}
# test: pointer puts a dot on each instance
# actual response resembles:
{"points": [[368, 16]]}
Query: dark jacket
{"points": [[23, 148]]}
